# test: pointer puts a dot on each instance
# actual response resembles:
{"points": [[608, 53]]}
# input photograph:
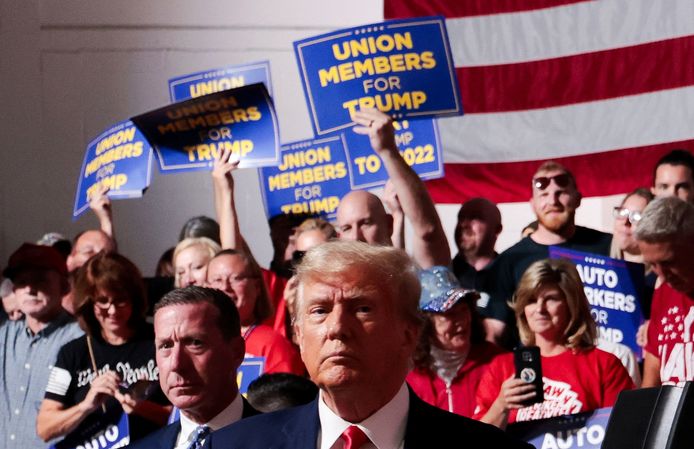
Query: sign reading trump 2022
{"points": [[190, 134], [401, 67], [198, 84], [119, 159], [312, 178], [613, 288]]}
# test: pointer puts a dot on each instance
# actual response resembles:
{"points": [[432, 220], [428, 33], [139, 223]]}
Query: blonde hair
{"points": [[580, 332], [317, 223], [391, 268], [207, 244]]}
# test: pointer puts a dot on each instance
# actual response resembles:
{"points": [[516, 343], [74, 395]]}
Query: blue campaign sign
{"points": [[312, 178], [251, 368], [188, 135], [120, 158], [583, 430], [614, 289], [401, 67], [113, 436], [418, 141], [224, 78]]}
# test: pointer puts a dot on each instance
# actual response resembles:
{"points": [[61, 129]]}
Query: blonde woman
{"points": [[552, 312], [190, 259]]}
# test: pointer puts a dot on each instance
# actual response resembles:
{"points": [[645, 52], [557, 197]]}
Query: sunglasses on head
{"points": [[634, 216], [561, 180]]}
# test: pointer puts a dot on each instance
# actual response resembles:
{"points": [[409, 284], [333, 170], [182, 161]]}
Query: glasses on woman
{"points": [[622, 213], [105, 303]]}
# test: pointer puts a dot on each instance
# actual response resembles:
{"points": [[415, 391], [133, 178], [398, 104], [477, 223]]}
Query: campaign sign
{"points": [[114, 436], [209, 81], [580, 431], [614, 288], [119, 158], [401, 67], [418, 141], [188, 135], [251, 368], [312, 178]]}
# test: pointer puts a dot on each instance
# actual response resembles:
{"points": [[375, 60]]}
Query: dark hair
{"points": [[200, 226], [642, 192], [228, 320], [165, 264], [676, 157], [422, 354], [263, 306], [112, 273], [277, 391]]}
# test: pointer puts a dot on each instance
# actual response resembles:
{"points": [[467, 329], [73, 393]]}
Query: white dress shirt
{"points": [[385, 428], [229, 415]]}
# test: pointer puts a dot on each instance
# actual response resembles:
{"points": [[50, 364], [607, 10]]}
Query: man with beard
{"points": [[555, 198]]}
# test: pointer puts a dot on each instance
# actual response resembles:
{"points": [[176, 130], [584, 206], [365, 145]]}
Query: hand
{"points": [[103, 386], [225, 163], [100, 203], [126, 401], [642, 334], [513, 393], [390, 199], [378, 126]]}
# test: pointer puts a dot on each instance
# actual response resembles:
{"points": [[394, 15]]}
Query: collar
{"points": [[61, 320], [230, 414], [385, 428]]}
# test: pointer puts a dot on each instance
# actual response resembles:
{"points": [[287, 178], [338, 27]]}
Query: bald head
{"points": [[361, 216], [86, 245]]}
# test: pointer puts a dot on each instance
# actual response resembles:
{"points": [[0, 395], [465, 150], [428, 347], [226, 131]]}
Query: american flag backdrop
{"points": [[605, 87]]}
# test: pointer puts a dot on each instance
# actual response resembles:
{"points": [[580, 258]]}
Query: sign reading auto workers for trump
{"points": [[209, 81], [312, 178], [579, 431], [401, 67], [613, 288], [189, 135], [418, 143], [119, 159]]}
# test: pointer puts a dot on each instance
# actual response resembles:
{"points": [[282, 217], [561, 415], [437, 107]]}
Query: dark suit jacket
{"points": [[297, 428], [165, 438]]}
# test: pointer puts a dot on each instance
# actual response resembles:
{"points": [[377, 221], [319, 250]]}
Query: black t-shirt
{"points": [[507, 270], [72, 375]]}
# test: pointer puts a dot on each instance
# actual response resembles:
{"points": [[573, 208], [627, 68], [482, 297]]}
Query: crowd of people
{"points": [[360, 342]]}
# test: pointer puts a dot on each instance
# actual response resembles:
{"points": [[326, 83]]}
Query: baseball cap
{"points": [[34, 256], [441, 290]]}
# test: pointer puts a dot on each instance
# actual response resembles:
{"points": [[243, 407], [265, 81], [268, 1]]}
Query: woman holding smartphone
{"points": [[112, 368], [552, 313]]}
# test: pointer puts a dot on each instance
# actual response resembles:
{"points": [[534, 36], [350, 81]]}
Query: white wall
{"points": [[71, 68]]}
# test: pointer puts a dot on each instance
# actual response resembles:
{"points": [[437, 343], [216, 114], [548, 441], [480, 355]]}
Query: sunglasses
{"points": [[634, 216], [542, 182]]}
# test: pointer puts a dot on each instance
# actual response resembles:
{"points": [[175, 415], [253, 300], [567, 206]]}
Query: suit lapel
{"points": [[170, 435], [301, 431]]}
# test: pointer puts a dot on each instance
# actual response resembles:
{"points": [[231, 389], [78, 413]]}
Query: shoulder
{"points": [[592, 236], [451, 429], [162, 438]]}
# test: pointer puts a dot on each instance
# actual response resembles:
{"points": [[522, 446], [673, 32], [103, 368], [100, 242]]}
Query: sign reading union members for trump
{"points": [[613, 288], [188, 135], [401, 67], [202, 83], [418, 142], [580, 431], [119, 159], [312, 178]]}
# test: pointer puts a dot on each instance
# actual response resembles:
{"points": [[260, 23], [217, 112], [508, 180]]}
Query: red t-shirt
{"points": [[280, 355], [670, 334], [574, 382], [461, 397], [275, 288]]}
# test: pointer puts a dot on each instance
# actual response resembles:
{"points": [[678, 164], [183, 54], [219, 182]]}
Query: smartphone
{"points": [[529, 369]]}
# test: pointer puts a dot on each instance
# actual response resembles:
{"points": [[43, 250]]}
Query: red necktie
{"points": [[354, 437]]}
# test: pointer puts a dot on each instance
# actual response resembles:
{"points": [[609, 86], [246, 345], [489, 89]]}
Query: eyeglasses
{"points": [[233, 280], [561, 180], [105, 303], [622, 213]]}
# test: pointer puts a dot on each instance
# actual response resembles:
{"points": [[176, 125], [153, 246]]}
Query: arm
{"points": [[54, 420], [223, 186], [152, 411], [390, 199], [494, 330], [100, 204], [651, 370], [430, 246]]}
